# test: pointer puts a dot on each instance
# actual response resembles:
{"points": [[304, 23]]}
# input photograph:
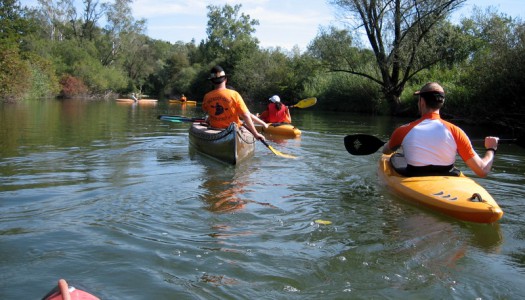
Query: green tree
{"points": [[121, 30], [492, 77], [91, 14], [15, 74], [13, 24], [44, 82], [405, 37], [177, 73], [57, 19], [264, 73], [229, 35]]}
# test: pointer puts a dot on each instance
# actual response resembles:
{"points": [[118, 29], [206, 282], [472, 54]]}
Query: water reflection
{"points": [[420, 224], [486, 236], [418, 249], [223, 195], [225, 186]]}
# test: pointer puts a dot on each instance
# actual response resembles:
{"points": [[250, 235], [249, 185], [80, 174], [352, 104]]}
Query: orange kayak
{"points": [[65, 291], [140, 101]]}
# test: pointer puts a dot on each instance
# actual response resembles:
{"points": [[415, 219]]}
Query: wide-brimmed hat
{"points": [[217, 74], [431, 87], [275, 99]]}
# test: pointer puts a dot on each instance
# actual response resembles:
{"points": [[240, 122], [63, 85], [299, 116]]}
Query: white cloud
{"points": [[284, 23]]}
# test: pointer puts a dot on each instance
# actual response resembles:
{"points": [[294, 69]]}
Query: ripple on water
{"points": [[132, 212]]}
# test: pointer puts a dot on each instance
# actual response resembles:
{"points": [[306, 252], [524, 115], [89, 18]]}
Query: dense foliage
{"points": [[56, 50], [405, 37]]}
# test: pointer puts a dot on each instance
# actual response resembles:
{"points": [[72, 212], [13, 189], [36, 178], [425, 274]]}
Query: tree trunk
{"points": [[394, 101]]}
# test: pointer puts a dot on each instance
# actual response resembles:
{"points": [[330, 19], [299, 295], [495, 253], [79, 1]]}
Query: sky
{"points": [[282, 23]]}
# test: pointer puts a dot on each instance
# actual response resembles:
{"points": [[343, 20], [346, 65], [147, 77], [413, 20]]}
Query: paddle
{"points": [[305, 103], [178, 119], [278, 153], [364, 144]]}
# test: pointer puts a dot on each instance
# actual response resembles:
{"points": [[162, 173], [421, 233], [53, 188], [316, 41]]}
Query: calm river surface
{"points": [[107, 196]]}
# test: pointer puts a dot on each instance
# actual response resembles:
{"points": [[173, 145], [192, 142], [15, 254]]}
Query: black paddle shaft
{"points": [[364, 144]]}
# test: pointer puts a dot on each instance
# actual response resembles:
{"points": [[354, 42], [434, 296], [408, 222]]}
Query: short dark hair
{"points": [[434, 100], [217, 75]]}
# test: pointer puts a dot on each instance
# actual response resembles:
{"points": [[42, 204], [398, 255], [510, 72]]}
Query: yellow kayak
{"points": [[456, 196], [280, 129], [175, 101]]}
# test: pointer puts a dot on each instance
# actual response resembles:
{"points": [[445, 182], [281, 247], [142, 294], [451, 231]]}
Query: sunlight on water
{"points": [[123, 205]]}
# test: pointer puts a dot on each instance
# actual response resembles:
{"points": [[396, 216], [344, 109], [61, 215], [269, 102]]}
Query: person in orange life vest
{"points": [[224, 106], [432, 143], [183, 98], [276, 112]]}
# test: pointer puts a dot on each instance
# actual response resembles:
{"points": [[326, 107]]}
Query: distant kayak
{"points": [[456, 196], [140, 101], [64, 291], [190, 102], [280, 129]]}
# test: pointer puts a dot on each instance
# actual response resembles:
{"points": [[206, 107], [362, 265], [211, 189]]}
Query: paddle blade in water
{"points": [[278, 153], [282, 154], [362, 144]]}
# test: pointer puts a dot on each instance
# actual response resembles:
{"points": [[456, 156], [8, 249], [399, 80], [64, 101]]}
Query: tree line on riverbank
{"points": [[55, 50]]}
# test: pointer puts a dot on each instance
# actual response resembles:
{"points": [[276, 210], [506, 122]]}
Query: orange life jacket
{"points": [[277, 116]]}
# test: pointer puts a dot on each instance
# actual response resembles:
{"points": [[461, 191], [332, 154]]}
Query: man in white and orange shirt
{"points": [[431, 143]]}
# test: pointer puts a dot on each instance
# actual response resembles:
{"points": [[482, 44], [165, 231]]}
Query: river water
{"points": [[112, 199]]}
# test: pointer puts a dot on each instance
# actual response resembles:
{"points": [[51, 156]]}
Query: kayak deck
{"points": [[456, 196], [280, 129]]}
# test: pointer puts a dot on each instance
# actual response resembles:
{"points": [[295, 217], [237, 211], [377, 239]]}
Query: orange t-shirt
{"points": [[224, 107]]}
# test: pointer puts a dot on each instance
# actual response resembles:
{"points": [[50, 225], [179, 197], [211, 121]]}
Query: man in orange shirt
{"points": [[225, 106], [430, 144]]}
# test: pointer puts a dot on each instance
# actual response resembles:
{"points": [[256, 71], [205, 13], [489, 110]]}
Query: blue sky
{"points": [[283, 23]]}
